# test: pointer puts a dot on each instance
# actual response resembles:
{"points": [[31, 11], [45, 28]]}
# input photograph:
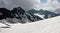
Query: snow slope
{"points": [[51, 25], [42, 16]]}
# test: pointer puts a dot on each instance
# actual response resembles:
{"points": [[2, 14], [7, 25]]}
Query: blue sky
{"points": [[43, 1], [59, 1]]}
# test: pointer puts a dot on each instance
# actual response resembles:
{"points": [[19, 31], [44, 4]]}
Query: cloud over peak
{"points": [[29, 4]]}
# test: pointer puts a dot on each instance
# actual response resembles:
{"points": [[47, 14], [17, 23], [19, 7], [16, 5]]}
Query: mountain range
{"points": [[22, 16]]}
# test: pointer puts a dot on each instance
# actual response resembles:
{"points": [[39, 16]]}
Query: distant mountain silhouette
{"points": [[47, 14], [32, 11]]}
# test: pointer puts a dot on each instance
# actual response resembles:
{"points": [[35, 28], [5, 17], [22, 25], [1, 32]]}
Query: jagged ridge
{"points": [[24, 16]]}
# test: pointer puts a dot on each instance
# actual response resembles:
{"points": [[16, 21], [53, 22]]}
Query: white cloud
{"points": [[51, 5], [26, 4], [29, 4]]}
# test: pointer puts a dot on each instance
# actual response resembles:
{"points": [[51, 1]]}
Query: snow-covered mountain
{"points": [[47, 14], [11, 19], [19, 15], [51, 25]]}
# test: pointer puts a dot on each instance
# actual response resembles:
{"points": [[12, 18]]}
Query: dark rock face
{"points": [[18, 11], [24, 16], [47, 14], [32, 11], [5, 13], [33, 17]]}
